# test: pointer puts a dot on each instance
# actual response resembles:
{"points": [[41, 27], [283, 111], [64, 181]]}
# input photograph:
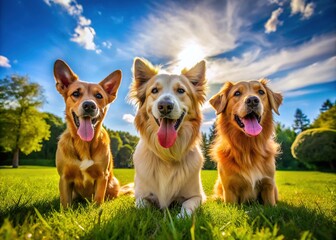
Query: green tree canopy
{"points": [[326, 106], [124, 157], [326, 119], [22, 126], [316, 147], [301, 121], [285, 137]]}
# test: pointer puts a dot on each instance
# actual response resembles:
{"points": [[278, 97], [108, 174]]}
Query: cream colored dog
{"points": [[168, 158]]}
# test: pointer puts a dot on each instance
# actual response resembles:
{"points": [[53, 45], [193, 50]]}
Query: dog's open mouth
{"points": [[250, 123], [168, 130], [85, 127]]}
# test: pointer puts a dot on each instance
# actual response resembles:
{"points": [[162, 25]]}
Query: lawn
{"points": [[29, 209]]}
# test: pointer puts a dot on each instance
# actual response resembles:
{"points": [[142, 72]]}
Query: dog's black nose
{"points": [[252, 101], [165, 106], [89, 106]]}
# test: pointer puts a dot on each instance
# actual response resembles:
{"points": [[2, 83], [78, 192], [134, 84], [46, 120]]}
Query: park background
{"points": [[291, 42]]}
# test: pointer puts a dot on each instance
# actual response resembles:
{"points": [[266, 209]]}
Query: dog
{"points": [[168, 158], [244, 148], [83, 157]]}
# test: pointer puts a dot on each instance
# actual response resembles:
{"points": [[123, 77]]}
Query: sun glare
{"points": [[190, 55]]}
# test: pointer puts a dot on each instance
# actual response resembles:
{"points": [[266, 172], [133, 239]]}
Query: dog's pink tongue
{"points": [[85, 130], [167, 133], [252, 127]]}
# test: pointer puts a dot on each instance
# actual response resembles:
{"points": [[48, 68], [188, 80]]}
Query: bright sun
{"points": [[190, 55]]}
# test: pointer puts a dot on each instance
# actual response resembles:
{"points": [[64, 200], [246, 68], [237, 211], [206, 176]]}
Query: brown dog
{"points": [[244, 147], [83, 157]]}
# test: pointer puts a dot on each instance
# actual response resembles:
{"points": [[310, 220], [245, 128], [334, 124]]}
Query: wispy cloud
{"points": [[169, 30], [107, 44], [300, 6], [256, 64], [4, 62], [128, 118], [319, 72], [84, 34], [273, 22]]}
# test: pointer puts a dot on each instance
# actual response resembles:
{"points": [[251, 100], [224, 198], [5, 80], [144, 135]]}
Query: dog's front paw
{"points": [[141, 203], [185, 213]]}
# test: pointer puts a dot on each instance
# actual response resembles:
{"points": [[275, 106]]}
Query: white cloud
{"points": [[300, 6], [209, 123], [71, 6], [254, 64], [128, 118], [169, 29], [107, 44], [84, 36], [82, 21], [319, 72], [4, 62], [273, 22]]}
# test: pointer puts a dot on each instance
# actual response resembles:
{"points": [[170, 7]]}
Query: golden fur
{"points": [[85, 167], [246, 164], [164, 175]]}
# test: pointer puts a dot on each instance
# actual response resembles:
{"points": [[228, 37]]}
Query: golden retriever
{"points": [[244, 147], [83, 157], [168, 158]]}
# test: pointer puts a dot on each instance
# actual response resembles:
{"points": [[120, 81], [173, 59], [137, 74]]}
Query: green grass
{"points": [[29, 209]]}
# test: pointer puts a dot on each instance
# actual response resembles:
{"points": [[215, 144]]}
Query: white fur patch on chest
{"points": [[256, 176], [85, 164]]}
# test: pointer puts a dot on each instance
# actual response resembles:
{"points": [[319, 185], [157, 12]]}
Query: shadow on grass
{"points": [[23, 209], [291, 221]]}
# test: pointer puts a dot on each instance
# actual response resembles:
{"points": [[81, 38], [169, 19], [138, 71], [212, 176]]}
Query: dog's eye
{"points": [[180, 90], [98, 96], [155, 90], [237, 93], [261, 92], [76, 94]]}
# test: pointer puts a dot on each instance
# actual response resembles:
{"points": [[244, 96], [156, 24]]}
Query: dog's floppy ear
{"points": [[64, 76], [219, 101], [275, 99], [111, 84], [196, 76], [143, 70]]}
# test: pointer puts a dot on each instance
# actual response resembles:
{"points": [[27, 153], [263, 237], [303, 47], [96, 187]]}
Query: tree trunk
{"points": [[16, 158]]}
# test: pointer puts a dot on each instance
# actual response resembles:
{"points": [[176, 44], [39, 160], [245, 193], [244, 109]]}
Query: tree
{"points": [[316, 147], [124, 157], [285, 137], [207, 142], [116, 144], [326, 119], [326, 106], [22, 126], [301, 121], [57, 126]]}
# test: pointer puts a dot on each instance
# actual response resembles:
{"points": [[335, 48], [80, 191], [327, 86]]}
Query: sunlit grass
{"points": [[29, 208]]}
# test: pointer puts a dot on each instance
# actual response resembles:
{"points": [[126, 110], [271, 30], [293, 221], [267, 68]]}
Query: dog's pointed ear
{"points": [[111, 84], [219, 100], [196, 76], [64, 76], [275, 99], [143, 70]]}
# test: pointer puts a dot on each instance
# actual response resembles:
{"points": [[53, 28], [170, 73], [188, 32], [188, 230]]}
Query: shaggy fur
{"points": [[246, 164], [85, 166], [167, 174]]}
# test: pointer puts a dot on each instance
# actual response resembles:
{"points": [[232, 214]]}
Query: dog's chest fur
{"points": [[164, 182]]}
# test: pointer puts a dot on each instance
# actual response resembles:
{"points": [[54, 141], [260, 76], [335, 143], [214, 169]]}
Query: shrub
{"points": [[316, 147]]}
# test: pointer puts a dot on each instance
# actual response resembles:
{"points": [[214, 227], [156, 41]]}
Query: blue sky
{"points": [[291, 42]]}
